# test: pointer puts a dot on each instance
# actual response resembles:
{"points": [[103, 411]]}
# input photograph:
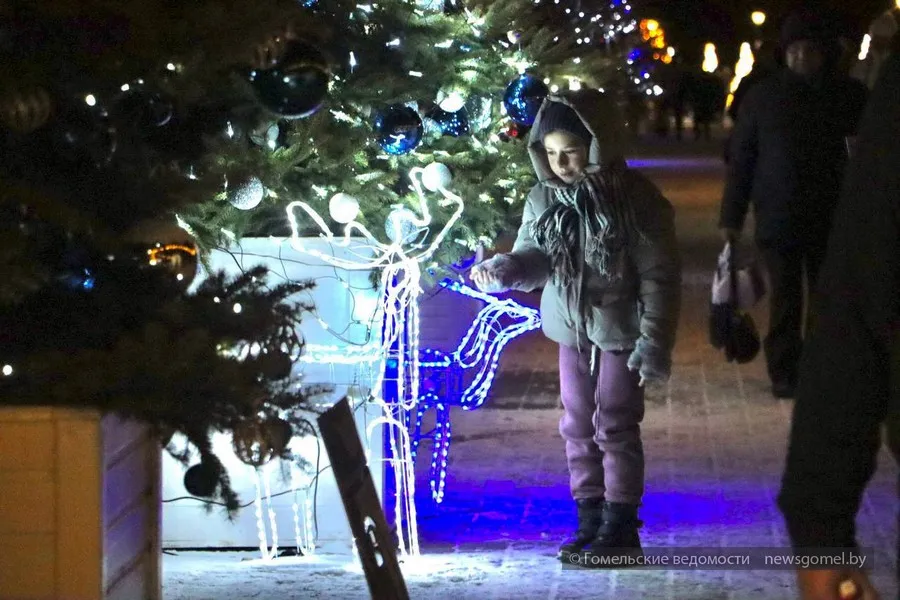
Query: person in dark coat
{"points": [[788, 154], [850, 371], [707, 98]]}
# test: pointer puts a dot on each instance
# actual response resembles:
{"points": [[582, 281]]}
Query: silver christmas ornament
{"points": [[246, 194], [400, 225]]}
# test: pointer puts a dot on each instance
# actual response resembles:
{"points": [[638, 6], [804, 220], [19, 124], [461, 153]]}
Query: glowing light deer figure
{"points": [[400, 265], [496, 324]]}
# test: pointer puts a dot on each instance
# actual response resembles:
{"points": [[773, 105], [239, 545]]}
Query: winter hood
{"points": [[599, 115]]}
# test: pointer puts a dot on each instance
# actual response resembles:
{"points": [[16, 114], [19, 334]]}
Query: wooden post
{"points": [[367, 522]]}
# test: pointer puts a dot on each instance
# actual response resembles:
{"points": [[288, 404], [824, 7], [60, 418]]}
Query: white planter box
{"points": [[186, 523], [79, 506]]}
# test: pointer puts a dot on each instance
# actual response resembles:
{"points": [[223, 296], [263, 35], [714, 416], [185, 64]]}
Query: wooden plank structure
{"points": [[367, 521], [79, 506]]}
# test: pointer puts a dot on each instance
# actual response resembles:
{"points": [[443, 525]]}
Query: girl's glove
{"points": [[494, 275], [652, 362]]}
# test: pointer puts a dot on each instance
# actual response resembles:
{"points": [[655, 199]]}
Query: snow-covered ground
{"points": [[711, 473]]}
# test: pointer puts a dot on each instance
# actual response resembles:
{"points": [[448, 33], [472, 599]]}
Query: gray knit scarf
{"points": [[592, 221]]}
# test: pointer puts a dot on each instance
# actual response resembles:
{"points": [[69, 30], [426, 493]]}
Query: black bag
{"points": [[730, 328]]}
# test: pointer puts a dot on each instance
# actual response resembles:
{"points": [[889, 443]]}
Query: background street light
{"points": [[759, 17]]}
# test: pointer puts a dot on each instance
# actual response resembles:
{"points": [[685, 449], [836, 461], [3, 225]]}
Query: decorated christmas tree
{"points": [[449, 86]]}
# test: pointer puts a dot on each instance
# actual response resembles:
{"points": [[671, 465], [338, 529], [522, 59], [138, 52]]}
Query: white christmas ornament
{"points": [[436, 176], [246, 194], [451, 101], [343, 208], [400, 224]]}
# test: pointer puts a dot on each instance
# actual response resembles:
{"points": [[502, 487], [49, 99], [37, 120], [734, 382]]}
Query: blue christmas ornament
{"points": [[451, 123], [399, 129], [523, 98]]}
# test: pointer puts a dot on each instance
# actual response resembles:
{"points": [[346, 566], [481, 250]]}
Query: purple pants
{"points": [[601, 420]]}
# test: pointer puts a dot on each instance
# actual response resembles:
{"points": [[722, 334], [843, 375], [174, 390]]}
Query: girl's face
{"points": [[567, 155]]}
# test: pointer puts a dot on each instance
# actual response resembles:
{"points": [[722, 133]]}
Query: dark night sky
{"points": [[690, 23]]}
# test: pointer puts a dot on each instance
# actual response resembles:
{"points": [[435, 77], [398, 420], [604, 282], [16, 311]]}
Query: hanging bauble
{"points": [[479, 110], [245, 193], [451, 100], [269, 135], [436, 176], [83, 131], [343, 208], [513, 36], [280, 433], [295, 87], [400, 225], [25, 111], [257, 442], [142, 107], [523, 97], [162, 244], [399, 129], [514, 131], [201, 480], [454, 124]]}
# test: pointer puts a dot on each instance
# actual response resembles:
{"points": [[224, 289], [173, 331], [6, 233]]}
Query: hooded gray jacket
{"points": [[646, 301]]}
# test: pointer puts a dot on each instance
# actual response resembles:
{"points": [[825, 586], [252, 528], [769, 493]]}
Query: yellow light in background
{"points": [[759, 17], [671, 51], [741, 69], [864, 46], [710, 58], [898, 3], [653, 24]]}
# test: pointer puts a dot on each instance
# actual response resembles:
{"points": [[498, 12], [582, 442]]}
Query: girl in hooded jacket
{"points": [[599, 238]]}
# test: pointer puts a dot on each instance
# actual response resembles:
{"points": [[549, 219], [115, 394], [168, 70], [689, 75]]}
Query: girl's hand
{"points": [[487, 276]]}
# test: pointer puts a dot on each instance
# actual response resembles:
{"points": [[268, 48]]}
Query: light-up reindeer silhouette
{"points": [[498, 322], [401, 284]]}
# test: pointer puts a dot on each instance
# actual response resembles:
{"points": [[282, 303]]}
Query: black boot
{"points": [[590, 517], [617, 537]]}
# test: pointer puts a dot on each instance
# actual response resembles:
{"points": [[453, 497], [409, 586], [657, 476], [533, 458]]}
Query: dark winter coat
{"points": [[788, 155], [847, 389]]}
